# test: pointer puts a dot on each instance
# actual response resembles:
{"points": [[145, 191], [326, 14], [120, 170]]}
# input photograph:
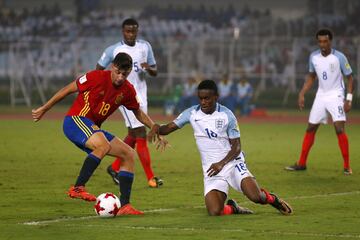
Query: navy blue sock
{"points": [[90, 164], [126, 179]]}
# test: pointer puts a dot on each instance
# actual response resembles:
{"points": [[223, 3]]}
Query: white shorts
{"points": [[325, 105], [129, 117], [233, 175]]}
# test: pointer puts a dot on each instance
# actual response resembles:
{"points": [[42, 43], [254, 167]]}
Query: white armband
{"points": [[349, 97]]}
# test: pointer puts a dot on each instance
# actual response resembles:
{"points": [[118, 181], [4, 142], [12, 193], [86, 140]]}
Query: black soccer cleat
{"points": [[237, 209], [347, 171], [295, 167], [155, 182], [113, 174], [281, 205]]}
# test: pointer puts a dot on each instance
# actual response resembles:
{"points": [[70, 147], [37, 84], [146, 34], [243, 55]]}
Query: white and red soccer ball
{"points": [[107, 205]]}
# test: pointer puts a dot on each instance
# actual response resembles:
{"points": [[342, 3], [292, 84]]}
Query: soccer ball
{"points": [[107, 205]]}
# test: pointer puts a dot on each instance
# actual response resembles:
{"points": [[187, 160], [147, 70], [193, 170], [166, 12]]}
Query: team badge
{"points": [[347, 65], [332, 67], [95, 128], [119, 98], [219, 123]]}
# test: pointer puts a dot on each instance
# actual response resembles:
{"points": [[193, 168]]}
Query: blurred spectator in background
{"points": [[226, 95], [170, 105], [189, 95], [244, 94]]}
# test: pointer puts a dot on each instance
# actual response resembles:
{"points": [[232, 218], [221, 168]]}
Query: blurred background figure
{"points": [[244, 95], [226, 93], [189, 95]]}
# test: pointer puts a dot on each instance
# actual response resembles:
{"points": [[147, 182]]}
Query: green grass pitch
{"points": [[38, 164]]}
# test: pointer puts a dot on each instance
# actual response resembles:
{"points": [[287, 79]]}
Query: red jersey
{"points": [[98, 98]]}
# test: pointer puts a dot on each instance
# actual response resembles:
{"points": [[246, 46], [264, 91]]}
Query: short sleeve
{"points": [[107, 57], [233, 130], [150, 55], [344, 65], [183, 117], [311, 65], [86, 81]]}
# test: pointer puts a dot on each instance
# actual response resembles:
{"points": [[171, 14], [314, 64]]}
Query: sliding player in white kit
{"points": [[143, 62], [328, 66], [218, 140]]}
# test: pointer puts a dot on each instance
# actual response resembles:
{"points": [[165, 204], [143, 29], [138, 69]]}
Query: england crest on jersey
{"points": [[219, 123]]}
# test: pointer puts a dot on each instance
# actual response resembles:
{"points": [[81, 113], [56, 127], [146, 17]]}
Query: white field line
{"points": [[64, 219], [255, 232]]}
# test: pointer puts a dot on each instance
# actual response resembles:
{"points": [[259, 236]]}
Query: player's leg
{"points": [[125, 175], [343, 145], [308, 141], [143, 152], [215, 191], [318, 115], [335, 107], [84, 134], [130, 140], [214, 201], [252, 191]]}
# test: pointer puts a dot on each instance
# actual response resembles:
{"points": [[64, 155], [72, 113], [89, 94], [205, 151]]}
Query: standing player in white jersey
{"points": [[328, 66], [143, 62], [218, 139]]}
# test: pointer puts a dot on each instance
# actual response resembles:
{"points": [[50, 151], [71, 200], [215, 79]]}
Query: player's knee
{"points": [[214, 211], [104, 148], [339, 130], [129, 155]]}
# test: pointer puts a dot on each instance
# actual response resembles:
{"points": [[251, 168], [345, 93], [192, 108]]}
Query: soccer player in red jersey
{"points": [[100, 93]]}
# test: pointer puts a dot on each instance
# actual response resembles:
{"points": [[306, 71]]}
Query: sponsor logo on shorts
{"points": [[95, 127]]}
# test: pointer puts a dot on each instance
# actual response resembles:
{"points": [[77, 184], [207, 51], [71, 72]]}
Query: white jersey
{"points": [[212, 133], [329, 70], [141, 52]]}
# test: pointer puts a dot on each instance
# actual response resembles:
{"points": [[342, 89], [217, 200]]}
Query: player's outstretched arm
{"points": [[167, 128], [235, 150], [310, 79], [61, 94], [150, 69], [350, 88]]}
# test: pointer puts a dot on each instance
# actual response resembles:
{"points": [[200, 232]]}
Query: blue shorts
{"points": [[79, 129]]}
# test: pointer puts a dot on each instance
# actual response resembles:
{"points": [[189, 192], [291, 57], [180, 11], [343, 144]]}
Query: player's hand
{"points": [[153, 134], [162, 144], [215, 168], [301, 101], [347, 106], [38, 113], [145, 65]]}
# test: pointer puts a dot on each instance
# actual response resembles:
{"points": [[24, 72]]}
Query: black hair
{"points": [[123, 61], [130, 22], [324, 32], [208, 85]]}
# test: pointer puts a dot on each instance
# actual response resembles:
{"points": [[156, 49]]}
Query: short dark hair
{"points": [[324, 32], [130, 22], [123, 61], [208, 85]]}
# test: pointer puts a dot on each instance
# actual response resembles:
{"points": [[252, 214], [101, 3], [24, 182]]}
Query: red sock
{"points": [[227, 210], [307, 143], [129, 140], [144, 155], [344, 147], [269, 198]]}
